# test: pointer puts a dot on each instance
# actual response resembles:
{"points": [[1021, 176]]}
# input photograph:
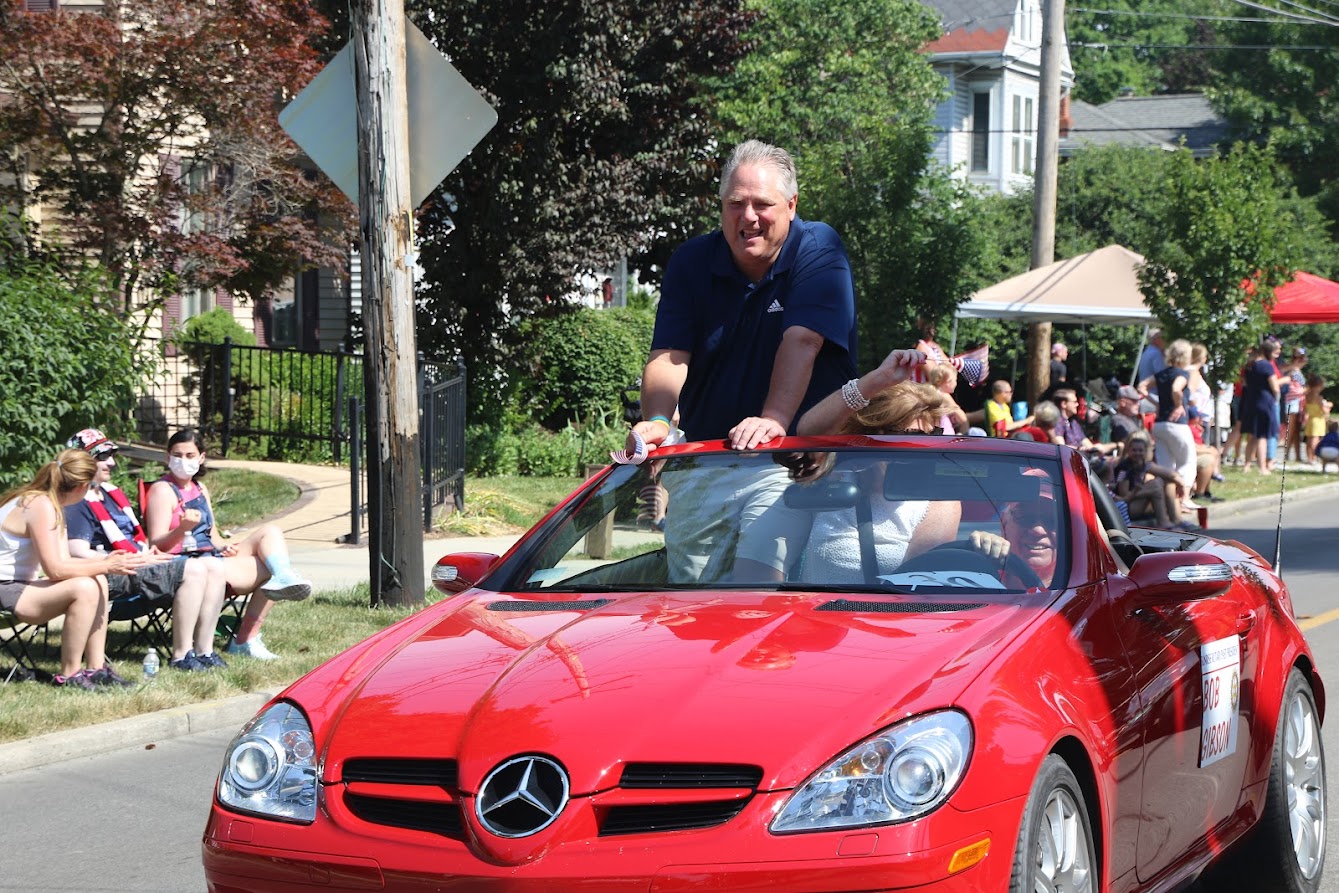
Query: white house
{"points": [[990, 55]]}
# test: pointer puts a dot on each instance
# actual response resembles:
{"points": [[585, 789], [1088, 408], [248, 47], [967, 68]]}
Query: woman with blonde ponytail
{"points": [[32, 538]]}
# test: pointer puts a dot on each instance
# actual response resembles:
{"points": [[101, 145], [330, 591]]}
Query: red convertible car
{"points": [[847, 664]]}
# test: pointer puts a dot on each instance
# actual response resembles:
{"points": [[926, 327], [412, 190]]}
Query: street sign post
{"points": [[447, 118]]}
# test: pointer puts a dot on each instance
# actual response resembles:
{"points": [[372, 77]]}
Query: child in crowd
{"points": [[179, 519], [1149, 489], [1327, 450], [1317, 411]]}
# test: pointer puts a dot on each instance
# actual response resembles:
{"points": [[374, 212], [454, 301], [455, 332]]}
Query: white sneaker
{"points": [[255, 648], [287, 589]]}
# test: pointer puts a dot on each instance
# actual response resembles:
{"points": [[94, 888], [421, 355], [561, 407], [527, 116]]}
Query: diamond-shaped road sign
{"points": [[447, 118]]}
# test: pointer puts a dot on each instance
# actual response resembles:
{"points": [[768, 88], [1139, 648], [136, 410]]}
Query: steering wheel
{"points": [[960, 556]]}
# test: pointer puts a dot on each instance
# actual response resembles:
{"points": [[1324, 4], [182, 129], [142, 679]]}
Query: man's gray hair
{"points": [[756, 152]]}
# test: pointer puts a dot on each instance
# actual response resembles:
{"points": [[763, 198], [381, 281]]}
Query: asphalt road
{"points": [[130, 821]]}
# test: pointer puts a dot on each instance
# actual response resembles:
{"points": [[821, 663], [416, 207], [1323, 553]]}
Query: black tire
{"points": [[1285, 852], [1056, 809]]}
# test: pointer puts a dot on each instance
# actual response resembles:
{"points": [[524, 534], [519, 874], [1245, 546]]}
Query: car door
{"points": [[1194, 665]]}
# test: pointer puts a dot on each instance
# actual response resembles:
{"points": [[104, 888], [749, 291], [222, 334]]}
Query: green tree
{"points": [[1225, 223], [1286, 97], [601, 150], [150, 129], [65, 362], [1145, 45], [846, 88]]}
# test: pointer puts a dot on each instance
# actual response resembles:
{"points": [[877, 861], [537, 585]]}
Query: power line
{"points": [[1323, 20], [1200, 46], [1197, 18]]}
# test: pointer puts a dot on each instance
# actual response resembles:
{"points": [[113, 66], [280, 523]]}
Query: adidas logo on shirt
{"points": [[775, 307]]}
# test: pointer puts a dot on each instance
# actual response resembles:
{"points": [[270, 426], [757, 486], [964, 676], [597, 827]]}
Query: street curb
{"points": [[1255, 503], [143, 730]]}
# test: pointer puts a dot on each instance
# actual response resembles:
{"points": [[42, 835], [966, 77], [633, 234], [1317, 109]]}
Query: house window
{"points": [[981, 131], [1022, 137], [1027, 18], [40, 5], [195, 301], [286, 327], [196, 181]]}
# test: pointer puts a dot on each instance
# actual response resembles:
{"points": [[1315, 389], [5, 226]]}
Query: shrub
{"points": [[538, 452], [283, 393], [66, 362], [581, 361]]}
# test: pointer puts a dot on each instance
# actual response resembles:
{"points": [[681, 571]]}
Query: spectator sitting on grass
{"points": [[180, 519], [104, 522], [1148, 488]]}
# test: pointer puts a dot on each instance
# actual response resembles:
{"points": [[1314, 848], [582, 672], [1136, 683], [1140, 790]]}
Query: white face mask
{"points": [[183, 468]]}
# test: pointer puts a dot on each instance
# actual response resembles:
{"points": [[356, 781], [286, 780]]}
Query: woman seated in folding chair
{"points": [[105, 522], [32, 537], [179, 519]]}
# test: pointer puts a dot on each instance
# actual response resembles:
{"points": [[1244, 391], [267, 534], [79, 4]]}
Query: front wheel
{"points": [[1055, 844], [1285, 852]]}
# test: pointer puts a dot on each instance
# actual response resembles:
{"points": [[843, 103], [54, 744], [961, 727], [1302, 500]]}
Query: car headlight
{"points": [[901, 773], [270, 767]]}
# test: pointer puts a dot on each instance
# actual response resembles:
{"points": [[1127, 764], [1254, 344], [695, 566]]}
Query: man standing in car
{"points": [[756, 321]]}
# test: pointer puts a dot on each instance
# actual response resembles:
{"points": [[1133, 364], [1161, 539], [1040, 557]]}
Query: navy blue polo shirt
{"points": [[733, 327]]}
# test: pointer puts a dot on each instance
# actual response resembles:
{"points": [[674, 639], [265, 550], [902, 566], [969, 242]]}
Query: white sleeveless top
{"points": [[833, 552], [18, 557]]}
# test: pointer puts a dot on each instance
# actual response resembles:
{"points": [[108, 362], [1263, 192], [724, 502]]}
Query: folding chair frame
{"points": [[230, 618], [20, 639], [150, 623]]}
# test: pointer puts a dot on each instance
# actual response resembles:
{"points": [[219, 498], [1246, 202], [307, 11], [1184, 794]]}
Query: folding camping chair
{"points": [[150, 623], [18, 638]]}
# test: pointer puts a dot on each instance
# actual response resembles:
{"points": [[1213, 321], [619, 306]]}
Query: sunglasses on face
{"points": [[106, 454]]}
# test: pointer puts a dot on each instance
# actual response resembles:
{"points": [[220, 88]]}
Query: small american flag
{"points": [[974, 365]]}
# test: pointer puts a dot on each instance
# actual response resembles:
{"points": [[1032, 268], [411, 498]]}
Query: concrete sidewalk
{"points": [[318, 524]]}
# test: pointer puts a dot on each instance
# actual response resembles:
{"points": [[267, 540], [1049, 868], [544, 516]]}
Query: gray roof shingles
{"points": [[1147, 121]]}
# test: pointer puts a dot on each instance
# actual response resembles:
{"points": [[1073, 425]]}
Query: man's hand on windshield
{"points": [[754, 431]]}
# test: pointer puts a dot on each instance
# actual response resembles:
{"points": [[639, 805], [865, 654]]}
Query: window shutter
{"points": [[40, 5]]}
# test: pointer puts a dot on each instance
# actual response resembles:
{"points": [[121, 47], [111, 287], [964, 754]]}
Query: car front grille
{"points": [[725, 790], [421, 795], [424, 795], [435, 818]]}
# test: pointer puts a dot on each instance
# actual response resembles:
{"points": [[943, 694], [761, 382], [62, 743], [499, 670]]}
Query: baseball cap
{"points": [[1128, 392], [92, 441]]}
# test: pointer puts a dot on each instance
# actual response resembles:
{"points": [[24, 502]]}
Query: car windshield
{"points": [[870, 519]]}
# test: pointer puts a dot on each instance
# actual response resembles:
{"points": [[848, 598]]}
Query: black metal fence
{"points": [[294, 406]]}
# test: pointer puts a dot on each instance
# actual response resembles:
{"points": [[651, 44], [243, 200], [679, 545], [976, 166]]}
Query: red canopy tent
{"points": [[1306, 299]]}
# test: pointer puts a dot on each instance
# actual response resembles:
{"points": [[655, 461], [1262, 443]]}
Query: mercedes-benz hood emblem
{"points": [[522, 796]]}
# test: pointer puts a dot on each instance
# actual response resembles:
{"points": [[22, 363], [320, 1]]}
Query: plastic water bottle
{"points": [[150, 665]]}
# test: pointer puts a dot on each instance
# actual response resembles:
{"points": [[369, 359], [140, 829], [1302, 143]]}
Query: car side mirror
{"points": [[459, 571], [1173, 577]]}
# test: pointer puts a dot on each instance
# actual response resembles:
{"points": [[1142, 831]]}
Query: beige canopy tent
{"points": [[1101, 286]]}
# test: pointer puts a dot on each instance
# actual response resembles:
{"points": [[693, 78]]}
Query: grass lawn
{"points": [[506, 504], [307, 635]]}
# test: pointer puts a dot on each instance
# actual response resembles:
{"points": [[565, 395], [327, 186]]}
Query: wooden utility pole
{"points": [[386, 227], [1044, 182]]}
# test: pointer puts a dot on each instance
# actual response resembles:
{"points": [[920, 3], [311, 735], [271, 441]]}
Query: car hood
{"points": [[782, 682]]}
